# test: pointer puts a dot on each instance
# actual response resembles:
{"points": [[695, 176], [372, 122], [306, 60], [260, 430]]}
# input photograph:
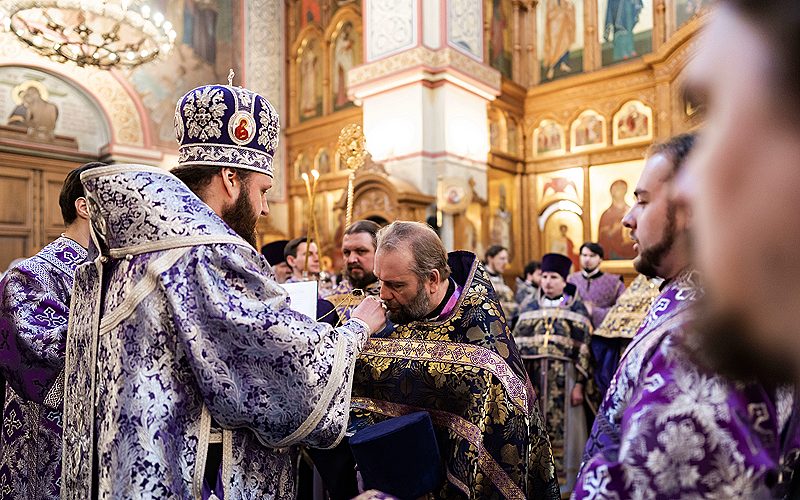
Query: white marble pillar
{"points": [[264, 56], [424, 89]]}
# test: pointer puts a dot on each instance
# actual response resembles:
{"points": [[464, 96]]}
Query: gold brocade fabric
{"points": [[625, 318], [467, 373]]}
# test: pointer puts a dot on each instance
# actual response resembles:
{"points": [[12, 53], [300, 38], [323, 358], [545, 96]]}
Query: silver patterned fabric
{"points": [[178, 330], [34, 307]]}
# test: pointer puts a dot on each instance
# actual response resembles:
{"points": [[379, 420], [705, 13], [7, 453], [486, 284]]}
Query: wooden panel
{"points": [[16, 210], [52, 184], [12, 247]]}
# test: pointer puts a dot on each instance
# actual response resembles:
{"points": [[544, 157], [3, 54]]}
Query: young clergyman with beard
{"points": [[450, 353], [668, 428], [184, 339]]}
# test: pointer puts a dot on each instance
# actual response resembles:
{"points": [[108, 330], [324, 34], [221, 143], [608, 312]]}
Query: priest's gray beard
{"points": [[242, 216], [415, 310], [723, 341]]}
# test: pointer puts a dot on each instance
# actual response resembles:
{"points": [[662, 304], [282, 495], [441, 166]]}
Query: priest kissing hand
{"points": [[371, 311]]}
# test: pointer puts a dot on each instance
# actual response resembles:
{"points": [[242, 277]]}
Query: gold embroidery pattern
{"points": [[450, 352]]}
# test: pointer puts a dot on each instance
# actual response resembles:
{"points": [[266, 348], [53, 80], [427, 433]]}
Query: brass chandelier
{"points": [[101, 33]]}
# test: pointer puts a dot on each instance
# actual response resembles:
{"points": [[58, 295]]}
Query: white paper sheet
{"points": [[303, 297]]}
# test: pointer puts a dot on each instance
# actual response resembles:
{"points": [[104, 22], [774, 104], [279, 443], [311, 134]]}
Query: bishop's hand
{"points": [[371, 311]]}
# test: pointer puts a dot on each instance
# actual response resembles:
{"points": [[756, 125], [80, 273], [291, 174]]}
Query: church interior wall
{"points": [[589, 121]]}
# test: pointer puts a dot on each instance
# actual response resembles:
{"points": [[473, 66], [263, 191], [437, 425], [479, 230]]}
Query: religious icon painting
{"points": [[300, 166], [560, 38], [563, 233], [686, 10], [548, 139], [345, 54], [309, 11], [633, 123], [588, 131], [560, 185], [309, 79], [497, 130], [500, 20], [513, 139], [322, 162], [625, 29], [611, 198]]}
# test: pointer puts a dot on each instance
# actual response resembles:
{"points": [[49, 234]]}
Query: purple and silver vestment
{"points": [[183, 339], [34, 308], [670, 429]]}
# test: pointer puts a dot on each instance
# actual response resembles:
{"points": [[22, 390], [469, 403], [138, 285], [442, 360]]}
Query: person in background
{"points": [[273, 252], [668, 426], [528, 284], [496, 261], [599, 291], [553, 334], [295, 254], [34, 310], [359, 243]]}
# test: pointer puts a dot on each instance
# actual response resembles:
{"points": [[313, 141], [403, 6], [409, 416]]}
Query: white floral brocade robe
{"points": [[183, 328]]}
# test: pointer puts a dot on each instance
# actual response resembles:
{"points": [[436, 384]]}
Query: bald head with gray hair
{"points": [[424, 244]]}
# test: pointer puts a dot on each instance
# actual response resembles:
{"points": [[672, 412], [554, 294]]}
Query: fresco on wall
{"points": [[37, 103], [501, 208], [548, 139], [563, 233], [512, 134], [323, 162], [625, 29], [309, 78], [560, 185], [500, 23], [612, 197], [685, 10], [346, 48], [309, 12], [204, 52], [560, 33], [497, 130], [632, 123], [588, 131]]}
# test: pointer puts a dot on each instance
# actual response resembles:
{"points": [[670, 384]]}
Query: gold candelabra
{"points": [[352, 153], [311, 192]]}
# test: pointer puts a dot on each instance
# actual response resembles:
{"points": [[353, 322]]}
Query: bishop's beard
{"points": [[242, 216]]}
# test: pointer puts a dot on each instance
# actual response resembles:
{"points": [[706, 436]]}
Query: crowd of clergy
{"points": [[153, 352]]}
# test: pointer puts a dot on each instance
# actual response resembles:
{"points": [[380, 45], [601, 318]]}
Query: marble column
{"points": [[424, 89]]}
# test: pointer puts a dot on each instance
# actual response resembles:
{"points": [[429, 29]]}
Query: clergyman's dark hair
{"points": [[676, 148], [365, 226], [72, 190], [531, 268], [292, 246], [595, 248], [494, 250], [198, 177]]}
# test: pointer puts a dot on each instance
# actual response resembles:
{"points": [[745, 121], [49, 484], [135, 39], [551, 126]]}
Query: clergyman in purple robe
{"points": [[668, 427], [34, 309], [187, 373]]}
